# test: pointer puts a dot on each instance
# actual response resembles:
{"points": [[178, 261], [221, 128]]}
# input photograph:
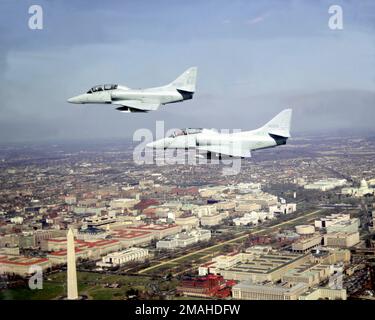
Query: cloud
{"points": [[257, 19]]}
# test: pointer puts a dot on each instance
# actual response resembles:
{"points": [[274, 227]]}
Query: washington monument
{"points": [[72, 272]]}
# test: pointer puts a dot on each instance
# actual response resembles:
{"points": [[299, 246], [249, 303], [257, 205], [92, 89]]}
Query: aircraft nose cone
{"points": [[76, 99], [159, 144], [151, 145], [72, 100]]}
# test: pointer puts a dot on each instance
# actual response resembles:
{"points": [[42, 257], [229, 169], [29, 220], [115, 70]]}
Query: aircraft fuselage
{"points": [[141, 100], [238, 144], [112, 96], [248, 140]]}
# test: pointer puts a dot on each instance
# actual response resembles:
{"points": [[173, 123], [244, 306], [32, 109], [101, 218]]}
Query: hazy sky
{"points": [[254, 58]]}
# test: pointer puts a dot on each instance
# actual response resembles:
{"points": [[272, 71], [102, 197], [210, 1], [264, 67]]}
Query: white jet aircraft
{"points": [[141, 100], [239, 144]]}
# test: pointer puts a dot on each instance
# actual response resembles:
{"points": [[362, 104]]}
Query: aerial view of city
{"points": [[187, 158], [299, 227]]}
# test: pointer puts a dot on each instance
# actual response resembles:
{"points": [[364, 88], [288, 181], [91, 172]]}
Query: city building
{"points": [[158, 231], [184, 239], [205, 287], [92, 233], [283, 208], [97, 221], [9, 240], [331, 255], [341, 239], [205, 210], [146, 184], [246, 188], [362, 191], [246, 290], [226, 205], [123, 203], [324, 294], [10, 251], [305, 229], [16, 220], [305, 244], [129, 238], [212, 191], [261, 198], [122, 257], [256, 265], [93, 249], [70, 199], [253, 218], [326, 184], [187, 221], [247, 206], [349, 226], [331, 219], [213, 219], [41, 235], [22, 265], [311, 273]]}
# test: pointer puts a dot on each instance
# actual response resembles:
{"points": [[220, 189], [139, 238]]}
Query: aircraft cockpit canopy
{"points": [[184, 132], [103, 87]]}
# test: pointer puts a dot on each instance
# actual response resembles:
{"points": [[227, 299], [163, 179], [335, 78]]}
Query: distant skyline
{"points": [[255, 58]]}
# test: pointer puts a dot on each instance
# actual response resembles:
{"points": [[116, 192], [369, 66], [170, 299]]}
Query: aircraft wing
{"points": [[230, 150], [136, 105]]}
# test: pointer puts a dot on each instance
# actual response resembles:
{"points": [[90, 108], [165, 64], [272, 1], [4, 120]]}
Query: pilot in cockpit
{"points": [[185, 132], [176, 133], [103, 88]]}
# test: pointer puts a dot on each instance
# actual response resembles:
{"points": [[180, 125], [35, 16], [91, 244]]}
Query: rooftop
{"points": [[21, 260], [153, 227], [129, 234]]}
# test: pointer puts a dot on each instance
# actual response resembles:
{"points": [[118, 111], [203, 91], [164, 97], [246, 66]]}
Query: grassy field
{"points": [[170, 265], [48, 292], [90, 284]]}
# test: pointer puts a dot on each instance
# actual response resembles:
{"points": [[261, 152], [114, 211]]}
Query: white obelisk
{"points": [[72, 272]]}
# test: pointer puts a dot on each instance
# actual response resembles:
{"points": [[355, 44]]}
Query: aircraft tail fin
{"points": [[279, 125], [186, 81]]}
